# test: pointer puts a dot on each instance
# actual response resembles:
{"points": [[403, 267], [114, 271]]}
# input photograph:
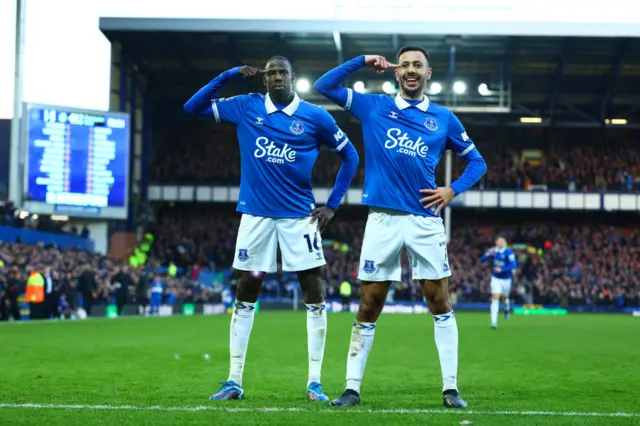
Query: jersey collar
{"points": [[401, 103], [289, 109]]}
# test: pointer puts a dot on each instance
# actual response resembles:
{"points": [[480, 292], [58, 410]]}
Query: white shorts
{"points": [[259, 237], [500, 286], [388, 232]]}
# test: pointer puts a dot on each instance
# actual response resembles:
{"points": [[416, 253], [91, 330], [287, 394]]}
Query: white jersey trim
{"points": [[342, 145], [347, 105], [216, 114], [468, 150]]}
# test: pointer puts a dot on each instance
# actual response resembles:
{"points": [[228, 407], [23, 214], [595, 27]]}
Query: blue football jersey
{"points": [[504, 259], [157, 286], [403, 146], [278, 149]]}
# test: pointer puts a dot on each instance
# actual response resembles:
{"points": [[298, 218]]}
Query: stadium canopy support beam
{"points": [[558, 80], [616, 69], [134, 187], [524, 110], [628, 112], [581, 113], [448, 165], [337, 41], [506, 69], [395, 43], [16, 190]]}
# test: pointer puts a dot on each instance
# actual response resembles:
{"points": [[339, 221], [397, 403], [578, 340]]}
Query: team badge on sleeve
{"points": [[369, 267], [297, 128]]}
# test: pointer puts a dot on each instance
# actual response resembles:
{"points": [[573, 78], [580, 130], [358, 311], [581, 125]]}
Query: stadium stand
{"points": [[582, 160], [563, 263]]}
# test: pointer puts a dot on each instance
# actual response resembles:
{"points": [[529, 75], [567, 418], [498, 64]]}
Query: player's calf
{"points": [[495, 309], [507, 306], [372, 298], [436, 293], [313, 290], [249, 285]]}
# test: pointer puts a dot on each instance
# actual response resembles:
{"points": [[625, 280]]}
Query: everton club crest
{"points": [[297, 128], [431, 124]]}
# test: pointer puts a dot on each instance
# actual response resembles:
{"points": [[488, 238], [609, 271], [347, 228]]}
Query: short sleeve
{"points": [[229, 110], [457, 139], [328, 131], [361, 104]]}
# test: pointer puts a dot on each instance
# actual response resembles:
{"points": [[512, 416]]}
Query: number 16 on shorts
{"points": [[312, 245]]}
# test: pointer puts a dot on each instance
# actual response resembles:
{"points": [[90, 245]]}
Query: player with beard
{"points": [[280, 136], [404, 140]]}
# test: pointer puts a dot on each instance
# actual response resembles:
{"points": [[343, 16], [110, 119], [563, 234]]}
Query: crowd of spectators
{"points": [[571, 159], [76, 278], [587, 263], [590, 264]]}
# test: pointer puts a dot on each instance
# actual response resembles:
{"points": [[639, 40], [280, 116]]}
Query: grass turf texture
{"points": [[125, 371]]}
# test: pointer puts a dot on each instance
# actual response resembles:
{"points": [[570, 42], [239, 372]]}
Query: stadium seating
{"points": [[582, 160], [591, 264]]}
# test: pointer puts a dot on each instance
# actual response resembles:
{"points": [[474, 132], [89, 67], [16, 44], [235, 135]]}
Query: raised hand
{"points": [[249, 72], [379, 63]]}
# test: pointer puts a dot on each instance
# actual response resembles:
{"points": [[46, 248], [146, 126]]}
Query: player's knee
{"points": [[371, 305], [441, 304], [439, 300], [249, 285], [312, 284]]}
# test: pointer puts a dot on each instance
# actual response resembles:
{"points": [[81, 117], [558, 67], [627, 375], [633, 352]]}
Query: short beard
{"points": [[414, 94]]}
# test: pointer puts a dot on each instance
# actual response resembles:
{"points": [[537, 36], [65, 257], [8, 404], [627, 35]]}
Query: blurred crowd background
{"points": [[519, 158], [585, 262], [564, 259]]}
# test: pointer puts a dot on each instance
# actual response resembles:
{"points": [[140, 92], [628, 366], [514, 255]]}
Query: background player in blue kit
{"points": [[504, 263], [279, 136], [404, 139], [157, 291]]}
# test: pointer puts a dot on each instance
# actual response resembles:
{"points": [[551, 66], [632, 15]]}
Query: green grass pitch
{"points": [[578, 369]]}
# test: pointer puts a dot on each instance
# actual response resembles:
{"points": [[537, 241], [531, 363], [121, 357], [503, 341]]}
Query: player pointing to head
{"points": [[279, 136], [404, 139], [504, 263]]}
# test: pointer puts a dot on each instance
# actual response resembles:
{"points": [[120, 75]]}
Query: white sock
{"points": [[507, 304], [495, 308], [241, 324], [361, 340], [446, 336], [316, 338]]}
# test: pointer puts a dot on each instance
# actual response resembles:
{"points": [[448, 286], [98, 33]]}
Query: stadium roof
{"points": [[580, 80]]}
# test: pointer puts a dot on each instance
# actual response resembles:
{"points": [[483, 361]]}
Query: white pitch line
{"points": [[306, 410]]}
